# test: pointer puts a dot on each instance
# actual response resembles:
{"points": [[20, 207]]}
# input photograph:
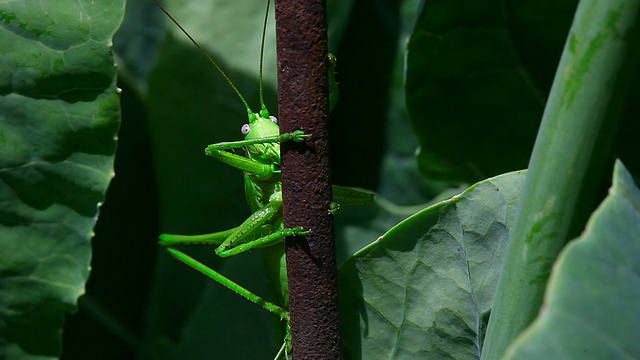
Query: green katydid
{"points": [[263, 187]]}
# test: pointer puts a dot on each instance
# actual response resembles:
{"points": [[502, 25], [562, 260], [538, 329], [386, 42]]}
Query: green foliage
{"points": [[486, 69], [591, 304], [425, 287], [477, 79], [59, 114], [579, 123]]}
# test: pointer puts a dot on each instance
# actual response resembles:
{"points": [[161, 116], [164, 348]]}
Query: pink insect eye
{"points": [[245, 129], [274, 119]]}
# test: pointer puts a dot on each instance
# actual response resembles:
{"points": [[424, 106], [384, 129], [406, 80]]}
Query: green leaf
{"points": [[478, 74], [592, 303], [425, 288], [358, 226], [567, 163], [59, 114]]}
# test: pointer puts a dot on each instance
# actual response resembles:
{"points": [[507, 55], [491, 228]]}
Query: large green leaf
{"points": [[478, 74], [59, 114], [425, 288], [592, 303]]}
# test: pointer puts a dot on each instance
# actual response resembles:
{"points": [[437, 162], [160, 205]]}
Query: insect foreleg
{"points": [[240, 162], [217, 151], [296, 136]]}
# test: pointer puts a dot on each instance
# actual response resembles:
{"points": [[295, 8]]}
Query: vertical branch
{"points": [[301, 29]]}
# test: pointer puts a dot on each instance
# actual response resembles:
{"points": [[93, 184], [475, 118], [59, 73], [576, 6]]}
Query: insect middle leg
{"points": [[253, 232], [216, 238], [244, 237]]}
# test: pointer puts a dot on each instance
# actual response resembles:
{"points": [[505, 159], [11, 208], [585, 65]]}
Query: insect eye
{"points": [[245, 129], [274, 119]]}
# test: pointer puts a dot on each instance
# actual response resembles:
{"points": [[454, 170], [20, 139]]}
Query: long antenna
{"points": [[263, 107], [213, 61]]}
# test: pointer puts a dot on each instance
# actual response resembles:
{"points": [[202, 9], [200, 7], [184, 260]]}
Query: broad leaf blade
{"points": [[592, 304], [478, 75], [425, 288], [59, 114]]}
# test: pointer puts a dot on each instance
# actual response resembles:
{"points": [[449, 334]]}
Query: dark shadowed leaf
{"points": [[477, 79]]}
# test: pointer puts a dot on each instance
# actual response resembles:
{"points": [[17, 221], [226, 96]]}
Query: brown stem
{"points": [[301, 29]]}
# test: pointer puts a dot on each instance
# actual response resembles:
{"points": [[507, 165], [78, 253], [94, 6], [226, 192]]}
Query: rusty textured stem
{"points": [[301, 30]]}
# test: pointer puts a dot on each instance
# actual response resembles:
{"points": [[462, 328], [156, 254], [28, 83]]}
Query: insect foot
{"points": [[299, 136], [333, 208], [298, 230]]}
